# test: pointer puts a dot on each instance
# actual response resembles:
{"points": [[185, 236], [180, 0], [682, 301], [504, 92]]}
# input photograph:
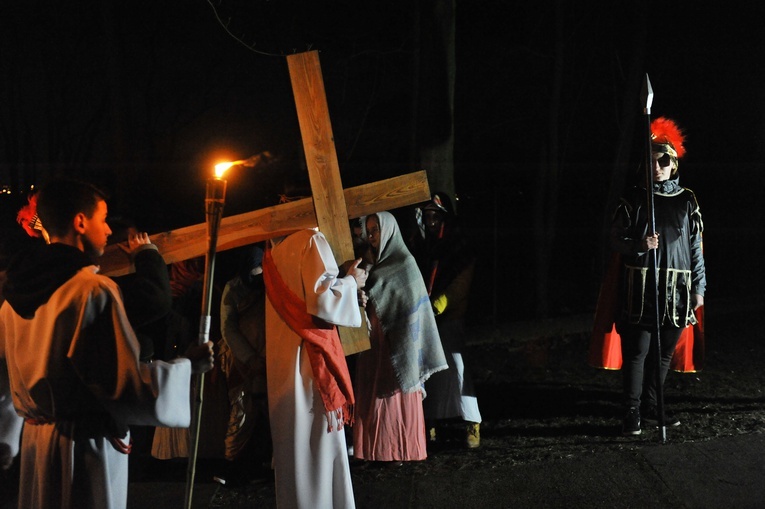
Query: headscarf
{"points": [[399, 300]]}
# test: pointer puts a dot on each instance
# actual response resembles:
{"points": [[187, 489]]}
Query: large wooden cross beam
{"points": [[329, 208], [258, 225]]}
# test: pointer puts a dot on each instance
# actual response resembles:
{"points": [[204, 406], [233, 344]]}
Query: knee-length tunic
{"points": [[75, 376]]}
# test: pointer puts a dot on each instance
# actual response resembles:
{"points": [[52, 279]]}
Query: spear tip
{"points": [[646, 95]]}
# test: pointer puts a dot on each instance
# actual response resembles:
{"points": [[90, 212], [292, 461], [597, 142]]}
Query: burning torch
{"points": [[215, 199]]}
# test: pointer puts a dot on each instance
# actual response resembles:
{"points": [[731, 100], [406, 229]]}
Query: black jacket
{"points": [[679, 257]]}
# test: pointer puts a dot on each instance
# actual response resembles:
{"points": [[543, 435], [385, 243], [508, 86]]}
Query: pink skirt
{"points": [[390, 428]]}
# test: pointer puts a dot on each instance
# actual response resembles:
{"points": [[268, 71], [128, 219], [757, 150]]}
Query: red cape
{"points": [[605, 344]]}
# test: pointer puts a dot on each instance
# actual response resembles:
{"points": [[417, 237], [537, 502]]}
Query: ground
{"points": [[541, 401]]}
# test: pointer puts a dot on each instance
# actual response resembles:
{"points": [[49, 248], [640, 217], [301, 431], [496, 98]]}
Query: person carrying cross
{"points": [[310, 397]]}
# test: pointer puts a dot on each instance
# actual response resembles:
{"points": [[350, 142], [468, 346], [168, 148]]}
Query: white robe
{"points": [[79, 351], [310, 463], [10, 421]]}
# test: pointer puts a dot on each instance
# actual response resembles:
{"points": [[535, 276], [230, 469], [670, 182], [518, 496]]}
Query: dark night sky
{"points": [[142, 97]]}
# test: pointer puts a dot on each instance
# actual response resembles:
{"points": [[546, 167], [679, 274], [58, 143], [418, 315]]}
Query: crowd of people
{"points": [[113, 358]]}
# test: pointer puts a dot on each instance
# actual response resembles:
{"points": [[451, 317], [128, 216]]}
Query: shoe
{"points": [[631, 422], [473, 435], [651, 416]]}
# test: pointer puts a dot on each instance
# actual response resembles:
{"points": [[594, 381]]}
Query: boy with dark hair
{"points": [[72, 361]]}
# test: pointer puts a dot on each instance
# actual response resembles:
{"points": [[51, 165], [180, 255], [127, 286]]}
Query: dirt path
{"points": [[541, 402]]}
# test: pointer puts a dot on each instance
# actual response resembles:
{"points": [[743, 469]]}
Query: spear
{"points": [[647, 100]]}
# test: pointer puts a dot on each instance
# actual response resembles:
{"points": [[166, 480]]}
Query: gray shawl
{"points": [[399, 300]]}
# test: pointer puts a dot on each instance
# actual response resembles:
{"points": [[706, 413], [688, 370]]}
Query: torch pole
{"points": [[214, 201], [647, 100]]}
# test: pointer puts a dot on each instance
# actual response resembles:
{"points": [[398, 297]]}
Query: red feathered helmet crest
{"points": [[667, 138], [29, 220]]}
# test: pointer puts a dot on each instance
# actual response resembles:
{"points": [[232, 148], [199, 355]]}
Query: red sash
{"points": [[322, 343]]}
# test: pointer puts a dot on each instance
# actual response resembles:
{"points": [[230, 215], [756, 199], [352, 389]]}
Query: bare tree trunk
{"points": [[631, 109], [436, 93], [547, 189], [124, 173]]}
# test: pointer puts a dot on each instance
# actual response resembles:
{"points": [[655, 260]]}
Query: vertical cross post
{"points": [[324, 172]]}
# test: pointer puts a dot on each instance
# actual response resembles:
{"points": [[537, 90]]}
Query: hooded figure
{"points": [[405, 351]]}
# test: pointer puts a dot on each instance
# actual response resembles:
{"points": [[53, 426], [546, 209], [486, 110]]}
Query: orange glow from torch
{"points": [[221, 168]]}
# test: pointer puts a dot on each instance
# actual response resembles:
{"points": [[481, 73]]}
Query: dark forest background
{"points": [[528, 111]]}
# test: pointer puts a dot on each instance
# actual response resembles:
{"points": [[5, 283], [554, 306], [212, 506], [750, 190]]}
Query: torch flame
{"points": [[221, 168], [250, 162]]}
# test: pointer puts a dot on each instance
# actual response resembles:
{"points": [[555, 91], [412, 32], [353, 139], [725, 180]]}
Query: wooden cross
{"points": [[258, 225], [330, 207]]}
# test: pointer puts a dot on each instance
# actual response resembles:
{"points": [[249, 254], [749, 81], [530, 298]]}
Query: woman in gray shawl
{"points": [[406, 350]]}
